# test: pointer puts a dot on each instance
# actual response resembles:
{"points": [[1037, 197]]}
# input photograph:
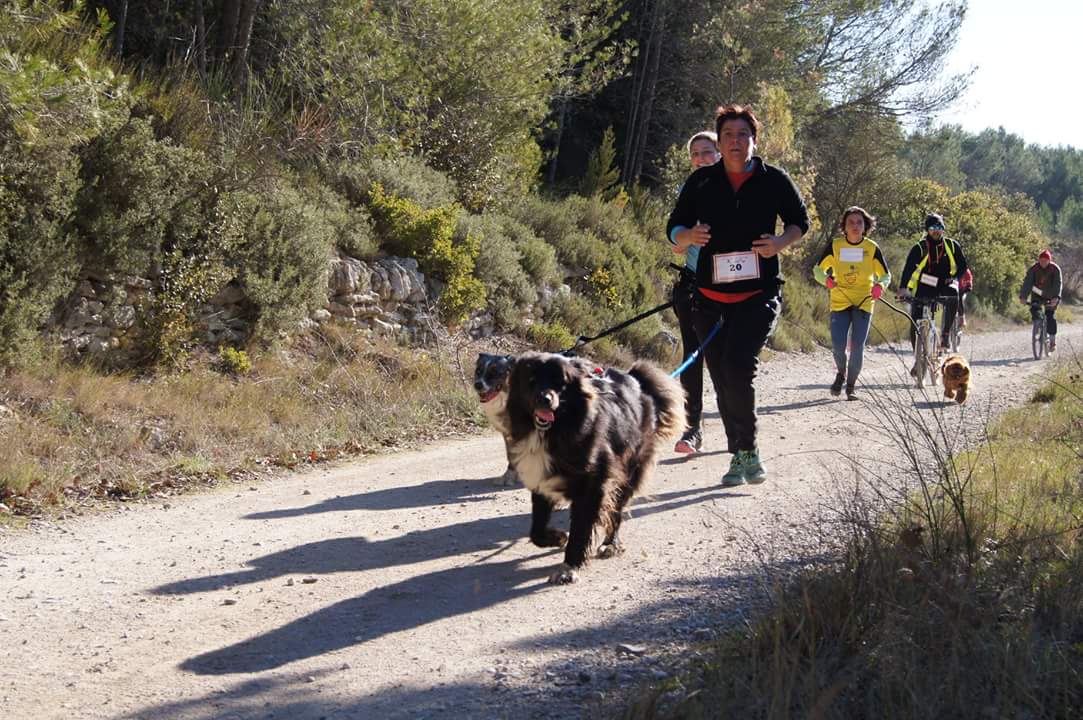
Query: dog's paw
{"points": [[610, 550], [551, 538], [510, 478], [564, 575]]}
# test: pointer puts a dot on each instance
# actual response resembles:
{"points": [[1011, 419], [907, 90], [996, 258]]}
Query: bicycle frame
{"points": [[1039, 333], [927, 340]]}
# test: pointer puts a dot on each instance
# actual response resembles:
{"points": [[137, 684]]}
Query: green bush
{"points": [[510, 289], [142, 198], [279, 246], [403, 176], [429, 236], [235, 361], [550, 337], [56, 94]]}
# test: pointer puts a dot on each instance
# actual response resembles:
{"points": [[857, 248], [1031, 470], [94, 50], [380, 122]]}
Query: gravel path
{"points": [[404, 587]]}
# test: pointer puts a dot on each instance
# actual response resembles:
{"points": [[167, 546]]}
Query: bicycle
{"points": [[927, 339], [1039, 332]]}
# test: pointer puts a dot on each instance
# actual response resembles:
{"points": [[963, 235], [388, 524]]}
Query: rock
{"points": [[631, 649]]}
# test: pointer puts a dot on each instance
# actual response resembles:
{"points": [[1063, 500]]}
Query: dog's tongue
{"points": [[488, 395], [545, 415]]}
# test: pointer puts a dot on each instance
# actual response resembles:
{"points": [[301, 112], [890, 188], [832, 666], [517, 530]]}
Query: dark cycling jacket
{"points": [[1044, 283], [934, 259], [736, 219]]}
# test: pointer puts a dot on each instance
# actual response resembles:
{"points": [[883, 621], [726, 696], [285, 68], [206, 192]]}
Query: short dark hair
{"points": [[736, 112], [870, 221]]}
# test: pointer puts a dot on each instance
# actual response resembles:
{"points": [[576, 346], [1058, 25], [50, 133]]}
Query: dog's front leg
{"points": [[510, 477], [540, 533], [584, 516]]}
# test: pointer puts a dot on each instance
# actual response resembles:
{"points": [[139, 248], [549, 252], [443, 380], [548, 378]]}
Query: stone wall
{"points": [[389, 296]]}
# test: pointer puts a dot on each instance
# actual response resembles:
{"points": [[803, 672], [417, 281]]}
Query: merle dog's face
{"points": [[545, 380], [491, 375]]}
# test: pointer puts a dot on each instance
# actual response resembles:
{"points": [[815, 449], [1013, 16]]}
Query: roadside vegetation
{"points": [[963, 600]]}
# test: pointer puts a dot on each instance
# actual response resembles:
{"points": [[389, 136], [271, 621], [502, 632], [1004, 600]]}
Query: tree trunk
{"points": [[201, 42], [562, 114], [227, 31], [120, 22], [650, 87], [244, 37]]}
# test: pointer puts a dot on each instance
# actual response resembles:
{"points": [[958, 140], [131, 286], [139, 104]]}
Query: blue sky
{"points": [[1028, 53]]}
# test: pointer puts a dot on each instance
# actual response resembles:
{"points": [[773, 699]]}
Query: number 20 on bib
{"points": [[731, 267]]}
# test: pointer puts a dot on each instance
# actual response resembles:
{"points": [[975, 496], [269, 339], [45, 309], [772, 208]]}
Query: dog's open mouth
{"points": [[488, 395], [543, 419]]}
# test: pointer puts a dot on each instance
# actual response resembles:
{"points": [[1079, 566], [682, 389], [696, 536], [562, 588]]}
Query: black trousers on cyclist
{"points": [[732, 357], [692, 377], [1050, 321], [917, 311]]}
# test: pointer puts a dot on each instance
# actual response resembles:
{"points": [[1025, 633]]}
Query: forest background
{"points": [[525, 152]]}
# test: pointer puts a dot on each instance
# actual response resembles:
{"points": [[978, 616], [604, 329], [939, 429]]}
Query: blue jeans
{"points": [[855, 324]]}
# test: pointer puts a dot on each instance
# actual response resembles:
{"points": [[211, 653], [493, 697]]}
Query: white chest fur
{"points": [[532, 462], [494, 410]]}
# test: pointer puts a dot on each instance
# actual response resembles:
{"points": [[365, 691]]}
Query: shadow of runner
{"points": [[356, 554], [393, 608], [434, 492]]}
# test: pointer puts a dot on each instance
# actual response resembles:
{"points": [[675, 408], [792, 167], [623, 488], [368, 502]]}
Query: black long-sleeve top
{"points": [[738, 218]]}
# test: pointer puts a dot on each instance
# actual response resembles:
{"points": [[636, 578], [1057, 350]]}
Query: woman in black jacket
{"points": [[730, 211]]}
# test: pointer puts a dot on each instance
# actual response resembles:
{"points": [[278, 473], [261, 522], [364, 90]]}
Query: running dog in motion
{"points": [[491, 374], [588, 438], [956, 372]]}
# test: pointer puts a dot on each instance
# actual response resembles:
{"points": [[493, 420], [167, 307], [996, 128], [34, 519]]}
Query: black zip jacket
{"points": [[736, 219], [938, 266]]}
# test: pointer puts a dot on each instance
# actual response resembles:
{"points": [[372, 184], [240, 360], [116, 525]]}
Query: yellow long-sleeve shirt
{"points": [[856, 268]]}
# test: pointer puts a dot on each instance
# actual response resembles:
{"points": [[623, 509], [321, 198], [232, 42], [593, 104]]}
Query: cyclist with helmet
{"points": [[933, 269], [1042, 286]]}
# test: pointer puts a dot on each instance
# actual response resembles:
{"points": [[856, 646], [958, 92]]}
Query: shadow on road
{"points": [[560, 688]]}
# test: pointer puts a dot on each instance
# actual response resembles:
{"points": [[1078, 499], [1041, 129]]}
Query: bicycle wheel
{"points": [[956, 335], [934, 353], [1037, 338], [1045, 337], [920, 354]]}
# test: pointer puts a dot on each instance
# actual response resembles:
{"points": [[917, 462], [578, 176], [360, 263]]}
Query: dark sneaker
{"points": [[736, 474], [690, 442], [755, 471], [836, 387], [850, 394], [945, 342]]}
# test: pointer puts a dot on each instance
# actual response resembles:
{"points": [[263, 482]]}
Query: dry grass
{"points": [[74, 435], [959, 595]]}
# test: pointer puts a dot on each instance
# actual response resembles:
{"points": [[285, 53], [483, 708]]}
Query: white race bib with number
{"points": [[851, 255], [930, 280], [731, 267]]}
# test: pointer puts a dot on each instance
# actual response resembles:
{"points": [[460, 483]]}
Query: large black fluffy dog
{"points": [[587, 438]]}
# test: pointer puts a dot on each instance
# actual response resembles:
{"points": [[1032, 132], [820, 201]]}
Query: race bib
{"points": [[731, 267], [930, 280], [1036, 290], [851, 255]]}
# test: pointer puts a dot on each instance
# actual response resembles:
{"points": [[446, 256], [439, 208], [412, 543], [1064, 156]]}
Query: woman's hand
{"points": [[697, 235], [768, 245]]}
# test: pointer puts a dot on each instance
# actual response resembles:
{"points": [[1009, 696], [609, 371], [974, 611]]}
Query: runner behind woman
{"points": [[702, 151], [853, 269], [730, 211], [1043, 283]]}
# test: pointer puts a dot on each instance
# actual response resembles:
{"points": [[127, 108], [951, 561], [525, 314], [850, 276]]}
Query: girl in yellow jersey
{"points": [[853, 269]]}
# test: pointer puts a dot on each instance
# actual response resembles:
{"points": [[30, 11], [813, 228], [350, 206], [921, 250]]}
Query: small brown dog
{"points": [[956, 373]]}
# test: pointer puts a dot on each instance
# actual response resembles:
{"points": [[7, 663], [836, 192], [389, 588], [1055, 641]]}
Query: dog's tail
{"points": [[668, 396]]}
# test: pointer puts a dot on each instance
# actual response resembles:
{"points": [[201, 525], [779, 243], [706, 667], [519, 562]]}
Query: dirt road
{"points": [[404, 587]]}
